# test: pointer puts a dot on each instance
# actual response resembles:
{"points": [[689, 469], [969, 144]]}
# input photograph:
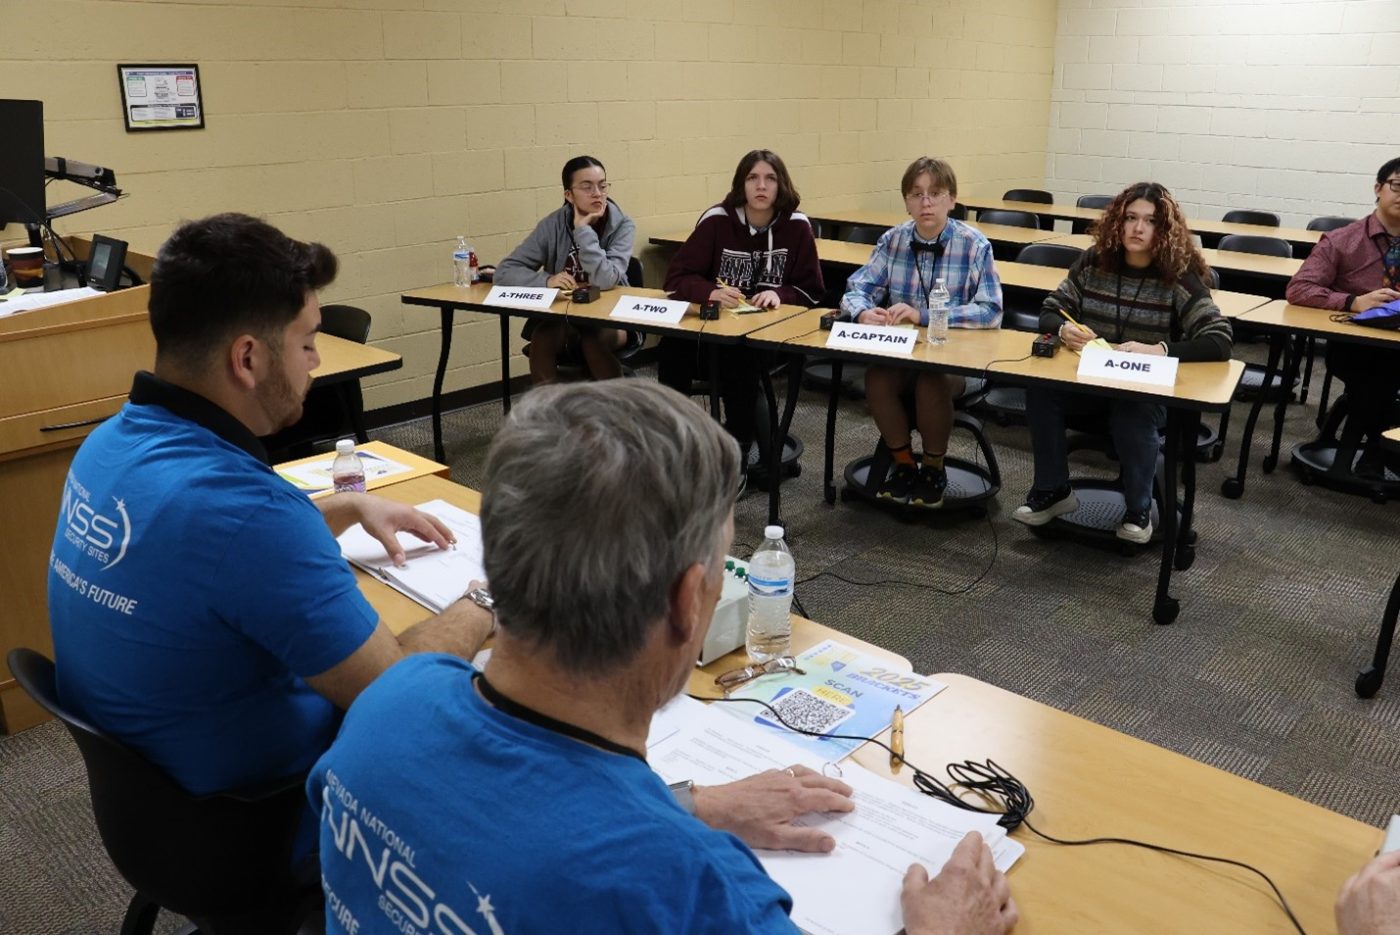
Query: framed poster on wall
{"points": [[161, 97]]}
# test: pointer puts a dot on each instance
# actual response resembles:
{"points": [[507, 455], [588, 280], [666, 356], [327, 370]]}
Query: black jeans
{"points": [[681, 361]]}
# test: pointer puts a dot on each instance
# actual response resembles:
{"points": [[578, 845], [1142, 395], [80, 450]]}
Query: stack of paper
{"points": [[431, 576], [855, 889]]}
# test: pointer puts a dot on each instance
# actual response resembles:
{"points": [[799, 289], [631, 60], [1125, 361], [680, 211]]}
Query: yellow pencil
{"points": [[1076, 324]]}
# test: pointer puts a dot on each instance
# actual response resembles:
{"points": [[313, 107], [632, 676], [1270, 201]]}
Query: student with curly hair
{"points": [[1142, 287]]}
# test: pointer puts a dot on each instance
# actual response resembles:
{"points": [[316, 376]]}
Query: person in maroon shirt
{"points": [[754, 246], [1354, 269]]}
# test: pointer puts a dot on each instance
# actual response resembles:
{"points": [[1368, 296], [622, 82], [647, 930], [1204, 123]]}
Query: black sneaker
{"points": [[928, 489], [1137, 527], [896, 486], [1042, 506]]}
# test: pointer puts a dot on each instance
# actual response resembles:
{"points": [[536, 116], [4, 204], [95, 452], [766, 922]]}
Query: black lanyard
{"points": [[516, 709], [926, 289], [1118, 319]]}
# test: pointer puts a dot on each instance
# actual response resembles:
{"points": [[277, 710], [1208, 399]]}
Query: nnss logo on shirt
{"points": [[103, 536]]}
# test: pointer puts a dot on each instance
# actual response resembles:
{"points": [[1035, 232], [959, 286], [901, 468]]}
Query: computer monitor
{"points": [[22, 162]]}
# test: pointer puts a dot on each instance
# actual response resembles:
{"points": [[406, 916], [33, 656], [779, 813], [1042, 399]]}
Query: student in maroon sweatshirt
{"points": [[756, 245]]}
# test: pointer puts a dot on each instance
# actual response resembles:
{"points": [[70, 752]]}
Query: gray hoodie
{"points": [[546, 250]]}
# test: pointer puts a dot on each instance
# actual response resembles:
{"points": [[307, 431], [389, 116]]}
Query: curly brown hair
{"points": [[1173, 252]]}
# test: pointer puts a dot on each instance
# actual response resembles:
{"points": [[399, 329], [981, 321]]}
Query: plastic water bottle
{"points": [[347, 470], [771, 575], [464, 268], [938, 314]]}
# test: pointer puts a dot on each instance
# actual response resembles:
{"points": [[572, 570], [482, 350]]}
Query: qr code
{"points": [[804, 710]]}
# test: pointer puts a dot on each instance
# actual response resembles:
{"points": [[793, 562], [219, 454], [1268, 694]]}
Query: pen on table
{"points": [[896, 739]]}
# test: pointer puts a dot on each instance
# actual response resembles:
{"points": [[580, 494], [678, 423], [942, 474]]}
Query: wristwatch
{"points": [[481, 598], [684, 791]]}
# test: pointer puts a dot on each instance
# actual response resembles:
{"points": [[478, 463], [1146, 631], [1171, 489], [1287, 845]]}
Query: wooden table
{"points": [[399, 612], [1200, 387], [343, 360], [417, 466], [1280, 320], [449, 299], [1048, 278], [1090, 781], [1295, 235]]}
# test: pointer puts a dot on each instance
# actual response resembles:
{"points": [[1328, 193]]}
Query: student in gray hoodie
{"points": [[588, 240]]}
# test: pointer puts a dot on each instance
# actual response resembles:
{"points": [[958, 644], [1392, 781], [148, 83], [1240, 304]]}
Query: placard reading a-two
{"points": [[639, 308], [1122, 367], [872, 339], [520, 297]]}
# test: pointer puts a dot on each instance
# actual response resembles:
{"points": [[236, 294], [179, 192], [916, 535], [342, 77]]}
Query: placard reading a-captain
{"points": [[161, 97]]}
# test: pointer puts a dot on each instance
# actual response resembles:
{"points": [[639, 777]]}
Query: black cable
{"points": [[992, 781]]}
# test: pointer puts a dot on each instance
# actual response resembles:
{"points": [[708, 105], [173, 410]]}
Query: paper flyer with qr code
{"points": [[841, 691]]}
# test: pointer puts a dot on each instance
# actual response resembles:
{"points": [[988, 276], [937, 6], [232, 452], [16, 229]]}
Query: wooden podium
{"points": [[63, 369]]}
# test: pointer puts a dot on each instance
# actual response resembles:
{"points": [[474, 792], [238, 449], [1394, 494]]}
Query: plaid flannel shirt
{"points": [[966, 268]]}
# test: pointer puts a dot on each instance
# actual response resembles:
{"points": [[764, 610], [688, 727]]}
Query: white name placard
{"points": [[521, 296], [1122, 367], [659, 311], [873, 339]]}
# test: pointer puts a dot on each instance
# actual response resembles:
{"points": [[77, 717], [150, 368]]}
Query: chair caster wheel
{"points": [[1165, 611], [1232, 488], [1185, 557], [1368, 682], [1270, 462]]}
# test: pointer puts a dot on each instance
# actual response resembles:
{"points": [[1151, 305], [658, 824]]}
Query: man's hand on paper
{"points": [[968, 897], [759, 809], [385, 519], [1369, 902]]}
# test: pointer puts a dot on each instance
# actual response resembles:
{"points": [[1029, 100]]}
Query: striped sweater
{"points": [[1127, 304]]}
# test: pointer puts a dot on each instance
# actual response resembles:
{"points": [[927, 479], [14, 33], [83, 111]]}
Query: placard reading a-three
{"points": [[521, 297]]}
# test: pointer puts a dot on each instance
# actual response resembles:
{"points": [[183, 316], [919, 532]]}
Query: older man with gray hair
{"points": [[521, 794]]}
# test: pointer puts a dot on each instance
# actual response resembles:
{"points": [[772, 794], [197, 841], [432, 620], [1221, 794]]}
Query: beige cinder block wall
{"points": [[386, 127]]}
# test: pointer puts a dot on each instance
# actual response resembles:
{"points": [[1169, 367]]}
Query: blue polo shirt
{"points": [[441, 813], [191, 590]]}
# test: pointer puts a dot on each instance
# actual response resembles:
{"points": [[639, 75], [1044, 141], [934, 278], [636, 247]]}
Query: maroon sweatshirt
{"points": [[782, 257]]}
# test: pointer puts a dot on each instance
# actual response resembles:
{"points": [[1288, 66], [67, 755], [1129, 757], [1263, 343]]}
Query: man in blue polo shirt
{"points": [[200, 608], [519, 799]]}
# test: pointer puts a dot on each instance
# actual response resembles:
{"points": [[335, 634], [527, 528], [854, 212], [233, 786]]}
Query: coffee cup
{"points": [[27, 265]]}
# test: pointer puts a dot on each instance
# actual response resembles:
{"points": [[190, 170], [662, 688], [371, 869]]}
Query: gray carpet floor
{"points": [[1255, 677]]}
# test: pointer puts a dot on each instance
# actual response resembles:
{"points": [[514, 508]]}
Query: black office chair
{"points": [[329, 412], [223, 861], [1029, 194], [862, 233], [1009, 218], [1021, 312], [1329, 222], [1089, 201], [1245, 216], [1253, 243], [959, 212]]}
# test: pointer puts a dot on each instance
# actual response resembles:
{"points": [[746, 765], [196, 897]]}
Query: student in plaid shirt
{"points": [[893, 288]]}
